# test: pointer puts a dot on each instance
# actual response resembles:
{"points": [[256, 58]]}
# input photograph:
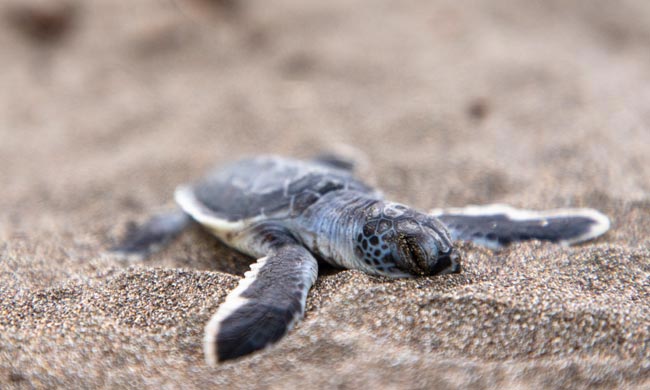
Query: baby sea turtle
{"points": [[288, 213]]}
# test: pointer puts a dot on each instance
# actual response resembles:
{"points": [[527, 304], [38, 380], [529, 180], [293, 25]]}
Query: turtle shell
{"points": [[263, 187]]}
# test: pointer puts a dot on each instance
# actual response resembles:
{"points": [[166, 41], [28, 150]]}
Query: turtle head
{"points": [[399, 241]]}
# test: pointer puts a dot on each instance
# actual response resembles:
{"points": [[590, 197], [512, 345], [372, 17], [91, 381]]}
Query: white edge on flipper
{"points": [[184, 196], [601, 225], [233, 301]]}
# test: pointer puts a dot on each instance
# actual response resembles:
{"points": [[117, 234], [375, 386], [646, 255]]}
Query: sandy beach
{"points": [[105, 106]]}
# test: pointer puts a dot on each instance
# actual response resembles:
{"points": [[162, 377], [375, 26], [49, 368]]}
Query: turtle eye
{"points": [[414, 250], [412, 255]]}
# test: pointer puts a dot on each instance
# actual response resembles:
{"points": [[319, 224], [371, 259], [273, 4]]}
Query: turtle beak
{"points": [[454, 260], [446, 263]]}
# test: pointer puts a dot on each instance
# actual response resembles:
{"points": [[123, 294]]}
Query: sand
{"points": [[106, 105]]}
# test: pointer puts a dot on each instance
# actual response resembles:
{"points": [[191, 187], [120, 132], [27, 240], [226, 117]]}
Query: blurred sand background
{"points": [[106, 105]]}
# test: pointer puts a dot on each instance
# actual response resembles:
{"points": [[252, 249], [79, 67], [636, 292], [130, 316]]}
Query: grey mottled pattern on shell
{"points": [[271, 186]]}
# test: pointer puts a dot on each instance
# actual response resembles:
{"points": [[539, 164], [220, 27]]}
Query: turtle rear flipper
{"points": [[141, 241], [336, 161], [264, 307], [496, 226], [345, 157]]}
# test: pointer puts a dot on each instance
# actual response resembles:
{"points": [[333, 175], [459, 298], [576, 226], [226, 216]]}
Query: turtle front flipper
{"points": [[142, 240], [264, 306], [496, 226]]}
